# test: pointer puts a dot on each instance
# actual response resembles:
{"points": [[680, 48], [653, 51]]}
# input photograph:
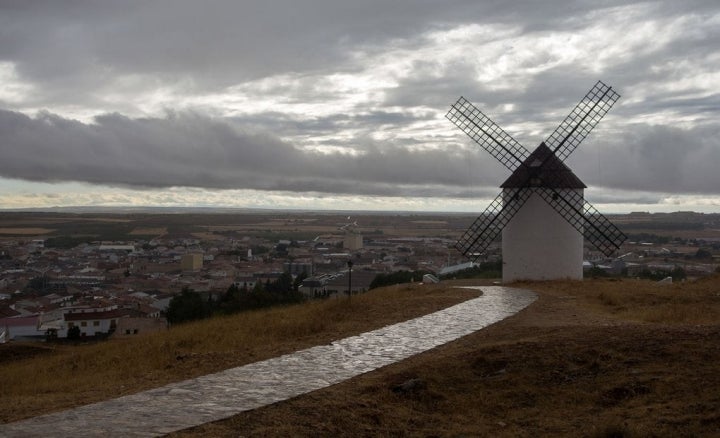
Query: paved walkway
{"points": [[216, 396]]}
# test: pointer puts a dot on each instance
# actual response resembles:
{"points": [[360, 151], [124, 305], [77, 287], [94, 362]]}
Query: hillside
{"points": [[597, 358], [594, 358], [39, 378]]}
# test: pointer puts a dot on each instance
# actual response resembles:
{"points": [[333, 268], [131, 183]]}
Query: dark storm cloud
{"points": [[185, 149]]}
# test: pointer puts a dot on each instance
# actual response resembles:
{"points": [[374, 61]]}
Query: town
{"points": [[93, 275]]}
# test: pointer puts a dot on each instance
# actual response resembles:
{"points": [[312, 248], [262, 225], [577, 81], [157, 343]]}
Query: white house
{"points": [[21, 328], [93, 321]]}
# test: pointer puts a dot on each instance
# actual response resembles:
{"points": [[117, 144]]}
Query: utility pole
{"points": [[350, 265]]}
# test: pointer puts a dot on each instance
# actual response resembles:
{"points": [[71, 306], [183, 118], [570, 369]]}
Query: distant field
{"points": [[26, 231], [208, 236], [157, 231], [683, 234], [305, 225]]}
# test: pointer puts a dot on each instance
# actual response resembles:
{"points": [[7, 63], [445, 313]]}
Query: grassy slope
{"points": [[593, 358], [597, 358], [39, 378]]}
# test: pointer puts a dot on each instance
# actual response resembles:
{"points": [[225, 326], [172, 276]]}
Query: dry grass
{"points": [[148, 231], [694, 302], [64, 375], [586, 359], [569, 365]]}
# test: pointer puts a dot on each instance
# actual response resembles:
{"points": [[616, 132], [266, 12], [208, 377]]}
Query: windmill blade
{"points": [[596, 228], [490, 223], [487, 134], [601, 232], [583, 118]]}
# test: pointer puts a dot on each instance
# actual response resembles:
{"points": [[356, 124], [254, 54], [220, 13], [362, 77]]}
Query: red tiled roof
{"points": [[87, 316], [18, 322]]}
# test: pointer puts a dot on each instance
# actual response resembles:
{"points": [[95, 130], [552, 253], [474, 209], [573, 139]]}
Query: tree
{"points": [[51, 334], [482, 270], [596, 272], [397, 278], [187, 306], [298, 281], [73, 332], [232, 294], [678, 274], [234, 299], [703, 254], [284, 283]]}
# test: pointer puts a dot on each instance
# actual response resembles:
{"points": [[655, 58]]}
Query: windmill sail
{"points": [[489, 224], [541, 171], [581, 120], [596, 228], [487, 134]]}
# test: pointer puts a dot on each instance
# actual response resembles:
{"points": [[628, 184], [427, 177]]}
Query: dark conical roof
{"points": [[543, 169]]}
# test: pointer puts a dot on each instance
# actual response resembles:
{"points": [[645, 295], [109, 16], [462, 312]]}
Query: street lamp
{"points": [[350, 265]]}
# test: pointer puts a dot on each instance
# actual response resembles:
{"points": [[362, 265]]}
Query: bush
{"points": [[398, 277], [676, 273], [282, 291], [187, 306], [73, 332], [596, 272], [482, 270]]}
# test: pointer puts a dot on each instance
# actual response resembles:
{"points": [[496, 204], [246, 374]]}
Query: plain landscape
{"points": [[189, 186], [614, 355]]}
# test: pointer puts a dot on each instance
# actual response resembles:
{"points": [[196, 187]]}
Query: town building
{"points": [[191, 262]]}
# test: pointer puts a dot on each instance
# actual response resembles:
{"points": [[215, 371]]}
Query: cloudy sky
{"points": [[339, 104]]}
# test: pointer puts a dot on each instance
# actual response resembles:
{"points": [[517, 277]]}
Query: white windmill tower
{"points": [[541, 211]]}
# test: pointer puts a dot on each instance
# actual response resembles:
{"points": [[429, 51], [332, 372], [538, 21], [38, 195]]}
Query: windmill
{"points": [[541, 211]]}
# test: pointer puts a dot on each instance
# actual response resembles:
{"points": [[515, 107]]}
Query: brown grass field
{"points": [[598, 358]]}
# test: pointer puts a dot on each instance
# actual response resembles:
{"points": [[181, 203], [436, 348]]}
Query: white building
{"points": [[19, 328], [353, 241], [93, 321], [538, 243]]}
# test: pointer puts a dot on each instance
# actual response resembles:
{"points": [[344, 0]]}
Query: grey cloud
{"points": [[77, 45], [186, 149], [74, 53], [609, 196], [653, 159]]}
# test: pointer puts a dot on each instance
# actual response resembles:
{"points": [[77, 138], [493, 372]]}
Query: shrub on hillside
{"points": [[187, 306], [398, 277]]}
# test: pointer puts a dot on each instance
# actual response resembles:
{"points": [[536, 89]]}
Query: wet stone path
{"points": [[216, 396]]}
